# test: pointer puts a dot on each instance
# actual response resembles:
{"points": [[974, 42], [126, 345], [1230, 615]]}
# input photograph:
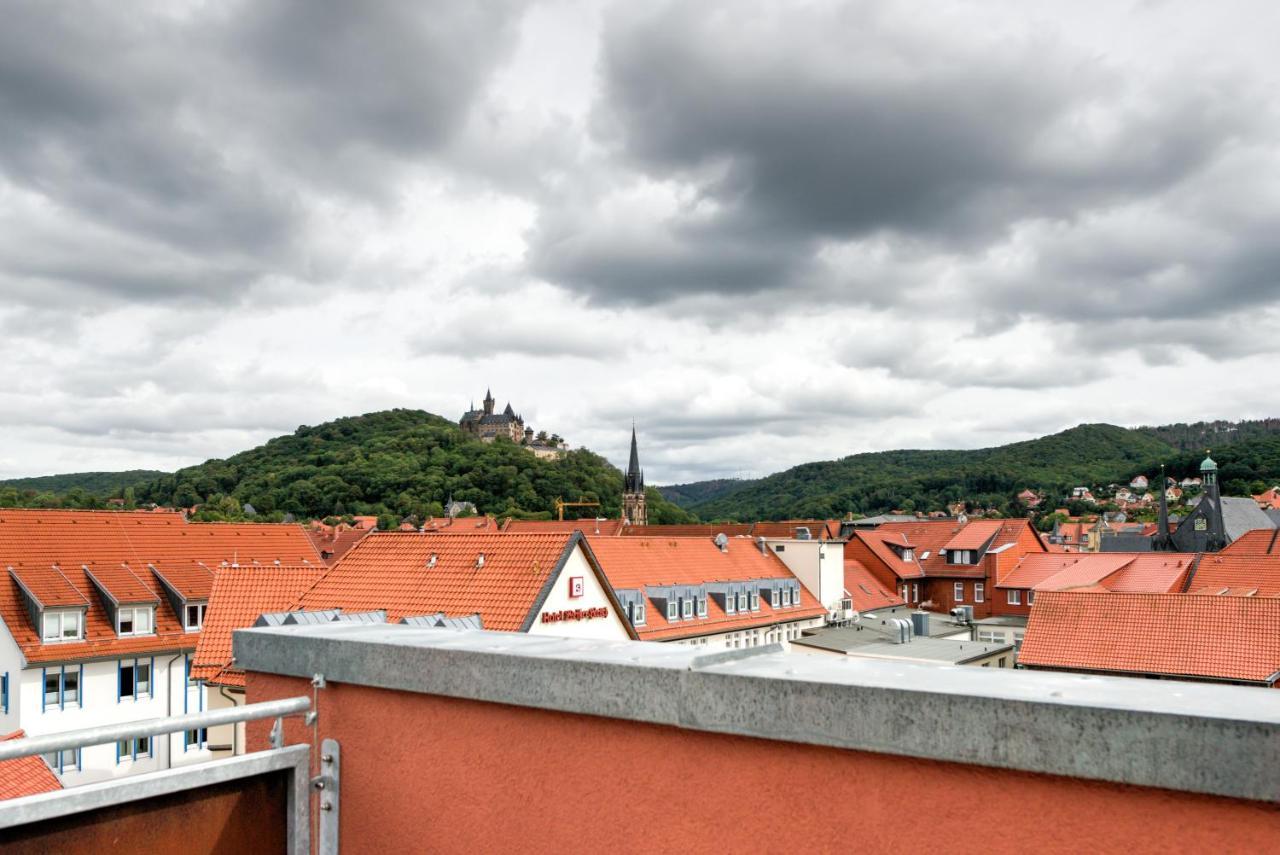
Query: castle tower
{"points": [[488, 402], [633, 502]]}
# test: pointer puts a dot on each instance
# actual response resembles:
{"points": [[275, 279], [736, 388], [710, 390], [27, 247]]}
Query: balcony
{"points": [[478, 741]]}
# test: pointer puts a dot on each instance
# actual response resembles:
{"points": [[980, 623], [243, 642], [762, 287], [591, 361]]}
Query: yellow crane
{"points": [[561, 504]]}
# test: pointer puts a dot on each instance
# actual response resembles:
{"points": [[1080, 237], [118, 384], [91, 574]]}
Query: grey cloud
{"points": [[847, 123]]}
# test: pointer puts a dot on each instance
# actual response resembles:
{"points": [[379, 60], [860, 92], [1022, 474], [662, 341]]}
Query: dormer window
{"points": [[193, 616], [671, 610], [786, 596], [742, 601], [755, 601], [686, 608], [908, 555], [134, 620], [637, 615], [702, 606], [960, 556], [65, 625]]}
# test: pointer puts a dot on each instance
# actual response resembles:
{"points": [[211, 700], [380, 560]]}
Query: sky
{"points": [[767, 232]]}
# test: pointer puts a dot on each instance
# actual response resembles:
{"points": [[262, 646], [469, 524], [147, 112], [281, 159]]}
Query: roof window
{"points": [[63, 625]]}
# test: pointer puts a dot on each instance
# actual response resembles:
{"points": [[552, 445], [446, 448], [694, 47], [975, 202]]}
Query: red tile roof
{"points": [[818, 529], [394, 571], [191, 581], [606, 528], [25, 776], [702, 530], [1259, 541], [240, 595], [460, 525], [974, 535], [1237, 575], [931, 537], [865, 590], [55, 552], [635, 563], [334, 542], [881, 544], [1132, 572], [1178, 635]]}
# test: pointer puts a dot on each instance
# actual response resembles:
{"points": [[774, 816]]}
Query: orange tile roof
{"points": [[865, 590], [1177, 635], [460, 525], [240, 595], [54, 553], [635, 563], [974, 535], [390, 570], [1132, 572], [1237, 575], [606, 528], [1259, 541], [334, 542], [701, 530], [818, 529], [25, 776], [191, 581]]}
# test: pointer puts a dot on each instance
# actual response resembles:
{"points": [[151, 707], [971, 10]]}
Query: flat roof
{"points": [[854, 642]]}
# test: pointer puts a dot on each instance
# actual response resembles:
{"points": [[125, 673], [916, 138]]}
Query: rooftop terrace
{"points": [[472, 740]]}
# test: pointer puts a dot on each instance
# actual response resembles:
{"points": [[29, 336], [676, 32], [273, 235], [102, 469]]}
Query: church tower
{"points": [[488, 402], [633, 503]]}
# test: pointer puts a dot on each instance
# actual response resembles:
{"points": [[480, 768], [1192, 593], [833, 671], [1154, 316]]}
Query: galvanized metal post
{"points": [[327, 788]]}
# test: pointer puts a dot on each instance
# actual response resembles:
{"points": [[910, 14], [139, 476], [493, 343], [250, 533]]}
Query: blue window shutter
{"points": [[186, 693], [119, 680], [62, 699], [151, 690], [80, 695], [44, 677], [117, 752]]}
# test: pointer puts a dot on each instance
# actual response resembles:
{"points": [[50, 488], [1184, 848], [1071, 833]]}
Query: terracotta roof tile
{"points": [[1237, 574], [700, 530], [867, 593], [606, 528], [632, 563], [25, 776], [240, 595], [1259, 541], [119, 548], [395, 571], [1179, 635], [1112, 571]]}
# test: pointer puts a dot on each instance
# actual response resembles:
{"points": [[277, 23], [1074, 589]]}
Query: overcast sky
{"points": [[767, 232]]}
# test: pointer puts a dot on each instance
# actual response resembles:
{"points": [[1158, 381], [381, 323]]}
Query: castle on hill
{"points": [[487, 425]]}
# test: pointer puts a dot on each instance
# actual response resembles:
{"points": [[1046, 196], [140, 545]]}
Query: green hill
{"points": [[396, 463], [927, 480], [103, 484], [685, 495]]}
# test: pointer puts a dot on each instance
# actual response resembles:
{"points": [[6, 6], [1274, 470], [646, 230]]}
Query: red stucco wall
{"points": [[422, 773]]}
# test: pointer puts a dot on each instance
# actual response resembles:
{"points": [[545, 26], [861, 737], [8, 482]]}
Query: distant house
{"points": [[1189, 482], [1268, 499], [1030, 498], [1082, 494], [1139, 483]]}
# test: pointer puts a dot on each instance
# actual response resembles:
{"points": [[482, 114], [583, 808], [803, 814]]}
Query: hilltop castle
{"points": [[486, 425]]}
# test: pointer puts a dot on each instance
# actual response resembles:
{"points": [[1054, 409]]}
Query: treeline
{"points": [[397, 464]]}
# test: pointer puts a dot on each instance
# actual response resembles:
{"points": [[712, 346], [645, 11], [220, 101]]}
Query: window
{"points": [[134, 620], [755, 601], [775, 597], [702, 607], [638, 614], [195, 739], [64, 761], [959, 592], [1031, 597], [195, 616], [132, 749], [1015, 598], [4, 693], [960, 556], [729, 600], [1004, 660], [62, 626], [742, 601], [786, 596], [979, 592], [686, 608], [135, 679], [61, 687], [904, 592], [990, 636], [779, 548], [915, 592], [671, 610]]}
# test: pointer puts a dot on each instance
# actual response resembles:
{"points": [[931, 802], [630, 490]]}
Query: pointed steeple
{"points": [[488, 402], [635, 476]]}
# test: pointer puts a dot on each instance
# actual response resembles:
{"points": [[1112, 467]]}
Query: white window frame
{"points": [[686, 608], [1014, 597], [979, 592], [743, 605], [133, 612], [702, 606], [915, 592], [730, 603], [186, 616], [60, 616], [672, 610], [1031, 597], [637, 614], [957, 592]]}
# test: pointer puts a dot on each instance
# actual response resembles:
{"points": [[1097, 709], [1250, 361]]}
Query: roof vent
{"points": [[722, 542], [431, 560], [803, 533], [479, 560], [764, 547]]}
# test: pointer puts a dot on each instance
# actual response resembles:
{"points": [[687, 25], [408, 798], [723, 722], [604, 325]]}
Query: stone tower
{"points": [[633, 503]]}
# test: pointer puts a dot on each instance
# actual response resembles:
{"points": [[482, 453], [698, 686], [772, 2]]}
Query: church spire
{"points": [[1162, 531], [635, 476]]}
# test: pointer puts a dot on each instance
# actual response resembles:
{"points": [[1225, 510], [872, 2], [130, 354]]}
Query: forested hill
{"points": [[396, 463], [1198, 436], [103, 484], [927, 480]]}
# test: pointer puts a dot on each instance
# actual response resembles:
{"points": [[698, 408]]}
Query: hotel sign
{"points": [[574, 615]]}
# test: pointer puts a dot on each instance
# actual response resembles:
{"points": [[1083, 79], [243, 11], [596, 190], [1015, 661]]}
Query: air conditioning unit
{"points": [[963, 614]]}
